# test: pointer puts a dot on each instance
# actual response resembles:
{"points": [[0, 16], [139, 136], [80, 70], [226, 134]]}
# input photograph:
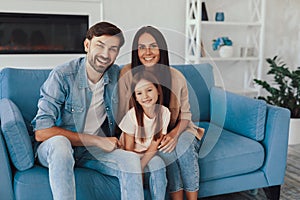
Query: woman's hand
{"points": [[168, 143]]}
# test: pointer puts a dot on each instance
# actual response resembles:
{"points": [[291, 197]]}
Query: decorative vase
{"points": [[204, 12], [294, 136], [219, 16], [226, 51]]}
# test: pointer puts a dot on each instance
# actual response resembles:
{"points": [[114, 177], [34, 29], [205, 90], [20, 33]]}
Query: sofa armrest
{"points": [[6, 190], [276, 144], [259, 121]]}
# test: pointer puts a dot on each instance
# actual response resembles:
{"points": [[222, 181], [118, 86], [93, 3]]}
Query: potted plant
{"points": [[284, 92], [224, 45]]}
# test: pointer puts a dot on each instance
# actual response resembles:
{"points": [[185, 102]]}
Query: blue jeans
{"points": [[182, 164], [155, 176], [56, 153]]}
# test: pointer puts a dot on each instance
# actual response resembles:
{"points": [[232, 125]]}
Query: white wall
{"points": [[282, 34], [167, 15]]}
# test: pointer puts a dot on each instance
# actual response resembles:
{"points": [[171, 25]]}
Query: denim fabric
{"points": [[66, 97], [155, 172], [182, 164], [129, 173], [56, 153], [116, 164], [188, 161]]}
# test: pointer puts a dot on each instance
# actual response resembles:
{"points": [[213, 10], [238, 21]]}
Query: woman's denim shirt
{"points": [[66, 97]]}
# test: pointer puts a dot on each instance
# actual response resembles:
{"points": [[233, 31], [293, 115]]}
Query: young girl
{"points": [[143, 126]]}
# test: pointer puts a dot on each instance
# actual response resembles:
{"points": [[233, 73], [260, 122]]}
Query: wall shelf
{"points": [[247, 24], [246, 31], [228, 59]]}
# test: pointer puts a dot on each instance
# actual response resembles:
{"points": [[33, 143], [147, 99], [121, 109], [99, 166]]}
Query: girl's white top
{"points": [[129, 125]]}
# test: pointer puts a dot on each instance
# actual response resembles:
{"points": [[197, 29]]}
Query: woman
{"points": [[183, 140]]}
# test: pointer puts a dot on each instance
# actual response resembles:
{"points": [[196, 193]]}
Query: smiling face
{"points": [[101, 52], [148, 50], [146, 93]]}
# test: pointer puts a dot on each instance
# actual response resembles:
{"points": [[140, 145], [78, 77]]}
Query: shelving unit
{"points": [[243, 24]]}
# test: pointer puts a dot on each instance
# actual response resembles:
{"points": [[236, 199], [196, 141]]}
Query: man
{"points": [[75, 120]]}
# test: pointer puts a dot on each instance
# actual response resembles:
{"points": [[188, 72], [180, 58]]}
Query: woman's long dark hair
{"points": [[148, 76], [162, 68]]}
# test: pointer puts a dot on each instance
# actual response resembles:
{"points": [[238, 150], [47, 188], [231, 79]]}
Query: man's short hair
{"points": [[105, 28]]}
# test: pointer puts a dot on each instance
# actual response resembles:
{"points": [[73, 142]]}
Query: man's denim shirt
{"points": [[66, 97]]}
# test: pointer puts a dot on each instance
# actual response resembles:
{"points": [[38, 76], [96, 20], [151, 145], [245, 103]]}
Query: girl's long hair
{"points": [[162, 68], [148, 76]]}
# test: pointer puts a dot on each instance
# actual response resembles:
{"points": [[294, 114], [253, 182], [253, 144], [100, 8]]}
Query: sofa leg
{"points": [[272, 192], [253, 192]]}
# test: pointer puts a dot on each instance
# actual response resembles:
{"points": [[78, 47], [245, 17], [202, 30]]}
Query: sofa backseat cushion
{"points": [[240, 114], [16, 135], [232, 155], [200, 80]]}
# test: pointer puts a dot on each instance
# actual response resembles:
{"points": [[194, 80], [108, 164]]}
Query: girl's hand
{"points": [[168, 143]]}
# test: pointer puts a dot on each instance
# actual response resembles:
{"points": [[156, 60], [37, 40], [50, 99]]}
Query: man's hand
{"points": [[108, 144]]}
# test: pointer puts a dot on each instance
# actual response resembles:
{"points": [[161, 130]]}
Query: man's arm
{"points": [[77, 139], [129, 142]]}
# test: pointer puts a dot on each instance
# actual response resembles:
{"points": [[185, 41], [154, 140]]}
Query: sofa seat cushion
{"points": [[34, 184], [232, 155], [16, 135]]}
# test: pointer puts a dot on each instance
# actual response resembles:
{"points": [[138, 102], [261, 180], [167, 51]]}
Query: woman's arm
{"points": [[124, 91], [180, 89]]}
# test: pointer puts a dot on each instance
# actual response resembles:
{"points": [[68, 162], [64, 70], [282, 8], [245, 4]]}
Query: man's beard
{"points": [[100, 69]]}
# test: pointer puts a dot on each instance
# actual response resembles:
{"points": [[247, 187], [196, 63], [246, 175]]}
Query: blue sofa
{"points": [[245, 147]]}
